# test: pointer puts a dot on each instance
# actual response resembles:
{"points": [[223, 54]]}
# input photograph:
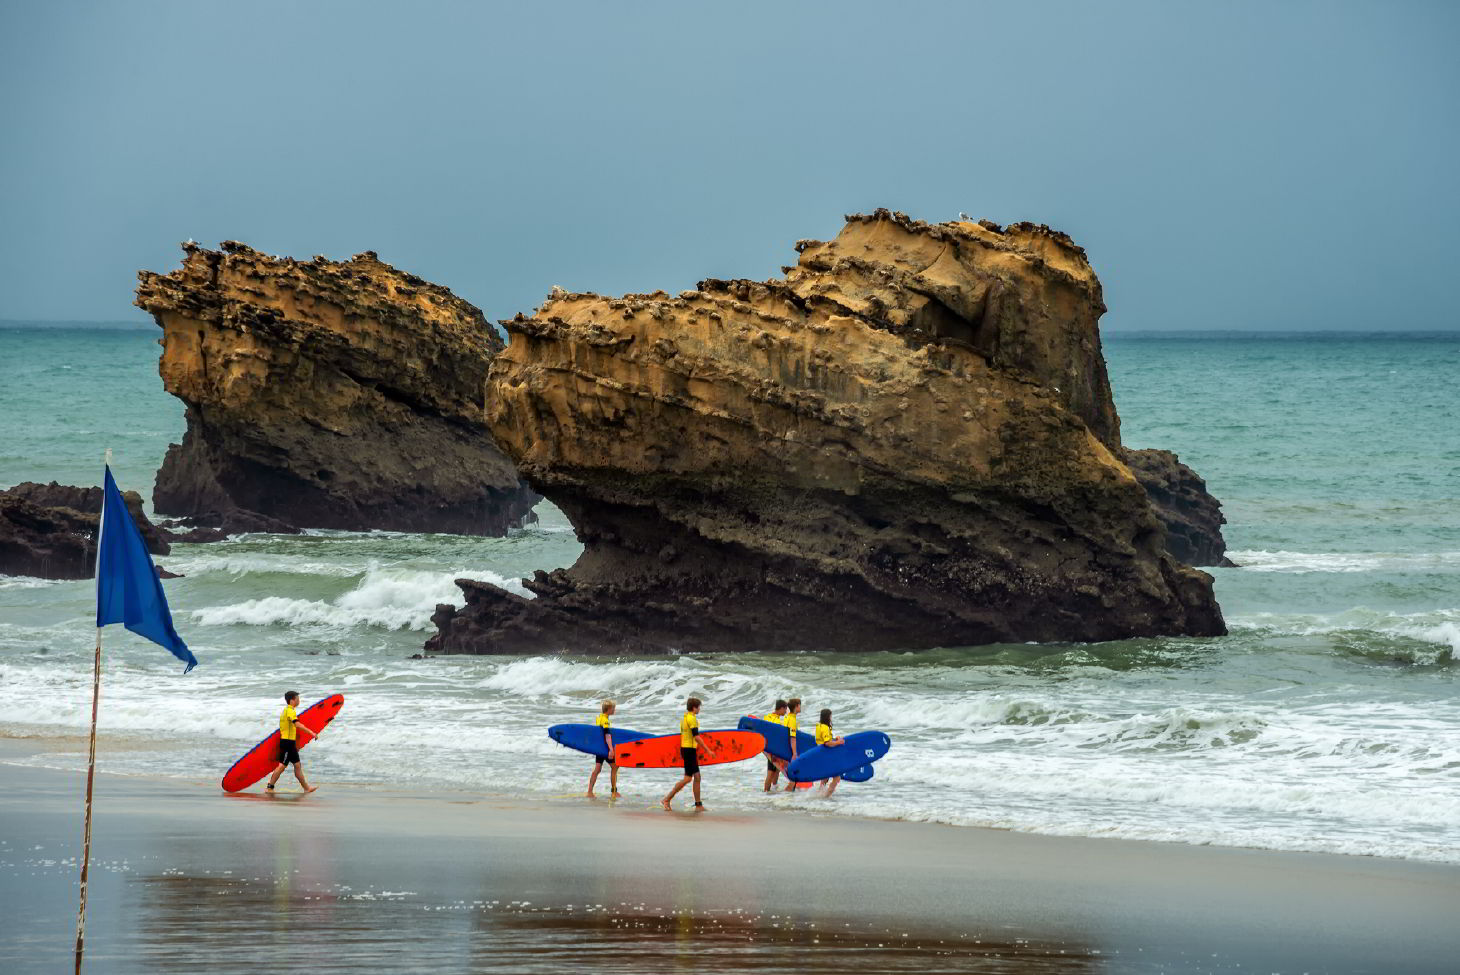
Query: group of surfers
{"points": [[785, 713]]}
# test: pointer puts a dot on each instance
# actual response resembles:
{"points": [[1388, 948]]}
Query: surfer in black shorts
{"points": [[793, 728], [774, 765], [289, 730], [605, 722], [690, 743]]}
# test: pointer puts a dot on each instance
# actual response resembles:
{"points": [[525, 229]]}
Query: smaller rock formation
{"points": [[49, 530], [327, 394], [1179, 496]]}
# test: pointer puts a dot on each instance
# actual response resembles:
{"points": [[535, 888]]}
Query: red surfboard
{"points": [[663, 752], [263, 757]]}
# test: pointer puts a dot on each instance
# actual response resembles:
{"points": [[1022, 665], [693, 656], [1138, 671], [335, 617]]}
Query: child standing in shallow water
{"points": [[793, 708], [774, 765], [605, 724], [826, 739]]}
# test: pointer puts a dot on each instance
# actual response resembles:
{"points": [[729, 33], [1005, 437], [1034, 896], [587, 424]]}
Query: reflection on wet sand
{"points": [[612, 940], [199, 923]]}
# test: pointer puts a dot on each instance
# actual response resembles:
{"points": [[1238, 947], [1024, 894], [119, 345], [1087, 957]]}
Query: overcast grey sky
{"points": [[1272, 165]]}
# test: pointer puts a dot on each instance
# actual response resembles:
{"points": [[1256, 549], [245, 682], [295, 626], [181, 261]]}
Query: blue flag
{"points": [[127, 588]]}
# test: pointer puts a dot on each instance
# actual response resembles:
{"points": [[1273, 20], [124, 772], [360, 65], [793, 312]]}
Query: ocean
{"points": [[1326, 721]]}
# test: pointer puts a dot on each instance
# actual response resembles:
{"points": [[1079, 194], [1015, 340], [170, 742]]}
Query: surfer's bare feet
{"points": [[616, 795], [665, 804], [700, 806], [311, 788], [589, 795]]}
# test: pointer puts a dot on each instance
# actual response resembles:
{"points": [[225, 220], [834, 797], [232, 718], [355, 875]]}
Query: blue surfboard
{"points": [[778, 743], [589, 737], [826, 761]]}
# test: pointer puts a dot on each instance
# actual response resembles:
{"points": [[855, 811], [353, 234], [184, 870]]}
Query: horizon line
{"points": [[81, 323]]}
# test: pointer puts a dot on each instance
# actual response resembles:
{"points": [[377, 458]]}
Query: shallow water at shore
{"points": [[1326, 721]]}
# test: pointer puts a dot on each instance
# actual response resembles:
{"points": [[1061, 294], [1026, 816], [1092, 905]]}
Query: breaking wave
{"points": [[1426, 639], [394, 599]]}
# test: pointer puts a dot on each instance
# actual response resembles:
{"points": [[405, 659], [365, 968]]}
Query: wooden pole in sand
{"points": [[91, 752], [90, 777]]}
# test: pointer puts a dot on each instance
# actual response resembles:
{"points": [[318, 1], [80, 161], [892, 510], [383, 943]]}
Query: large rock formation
{"points": [[49, 530], [327, 395], [908, 442]]}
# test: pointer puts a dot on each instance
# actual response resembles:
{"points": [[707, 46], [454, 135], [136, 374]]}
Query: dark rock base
{"points": [[644, 586]]}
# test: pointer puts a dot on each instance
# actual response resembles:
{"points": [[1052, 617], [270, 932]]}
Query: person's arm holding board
{"points": [[701, 743]]}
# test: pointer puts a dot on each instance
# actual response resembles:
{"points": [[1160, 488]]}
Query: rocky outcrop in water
{"points": [[1193, 518], [908, 442], [327, 394], [49, 530]]}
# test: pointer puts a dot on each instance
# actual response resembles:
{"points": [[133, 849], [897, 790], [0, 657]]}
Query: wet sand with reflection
{"points": [[355, 879]]}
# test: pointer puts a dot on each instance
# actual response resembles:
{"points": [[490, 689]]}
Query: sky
{"points": [[1272, 165]]}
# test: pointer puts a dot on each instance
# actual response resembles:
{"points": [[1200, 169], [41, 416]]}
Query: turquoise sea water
{"points": [[1327, 720]]}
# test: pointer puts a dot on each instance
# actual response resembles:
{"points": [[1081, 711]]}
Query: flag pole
{"points": [[91, 753], [90, 776]]}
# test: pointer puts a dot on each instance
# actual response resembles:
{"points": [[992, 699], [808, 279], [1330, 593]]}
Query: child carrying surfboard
{"points": [[774, 765], [689, 746], [793, 708], [605, 723], [289, 729], [826, 739]]}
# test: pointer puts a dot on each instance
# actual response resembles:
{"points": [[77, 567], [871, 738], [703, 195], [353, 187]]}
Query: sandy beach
{"points": [[359, 878]]}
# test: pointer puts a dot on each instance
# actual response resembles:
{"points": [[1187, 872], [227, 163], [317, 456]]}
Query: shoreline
{"points": [[20, 750], [351, 858]]}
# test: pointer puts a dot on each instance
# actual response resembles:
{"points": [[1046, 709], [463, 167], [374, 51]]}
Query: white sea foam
{"points": [[390, 598], [28, 582], [245, 565], [639, 684], [1258, 560]]}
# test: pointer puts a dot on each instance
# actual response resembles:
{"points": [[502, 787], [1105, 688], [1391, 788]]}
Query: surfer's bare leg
{"points": [[680, 785], [613, 780], [299, 774], [278, 771], [593, 779], [697, 790], [831, 786]]}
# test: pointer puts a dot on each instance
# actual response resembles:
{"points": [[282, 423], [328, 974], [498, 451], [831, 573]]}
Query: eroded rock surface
{"points": [[907, 442], [1193, 518], [49, 530], [327, 394]]}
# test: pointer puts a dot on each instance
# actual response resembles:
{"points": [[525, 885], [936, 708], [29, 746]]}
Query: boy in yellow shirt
{"points": [[289, 730], [773, 765], [793, 708], [825, 738], [604, 724], [689, 745]]}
